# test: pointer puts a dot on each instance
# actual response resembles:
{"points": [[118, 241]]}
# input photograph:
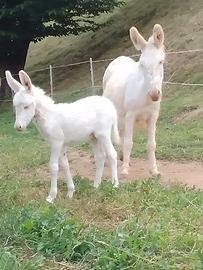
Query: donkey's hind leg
{"points": [[99, 156], [112, 157], [66, 169]]}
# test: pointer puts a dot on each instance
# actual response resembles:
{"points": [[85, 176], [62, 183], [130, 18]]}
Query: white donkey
{"points": [[93, 117], [135, 88]]}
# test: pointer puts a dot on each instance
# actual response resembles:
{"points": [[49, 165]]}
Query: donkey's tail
{"points": [[116, 137]]}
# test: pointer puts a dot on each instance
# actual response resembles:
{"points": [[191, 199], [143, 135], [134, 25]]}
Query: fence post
{"points": [[51, 80], [92, 76]]}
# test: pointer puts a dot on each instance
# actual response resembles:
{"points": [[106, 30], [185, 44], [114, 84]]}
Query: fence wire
{"points": [[91, 62]]}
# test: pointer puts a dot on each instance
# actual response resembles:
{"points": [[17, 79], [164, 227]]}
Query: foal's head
{"points": [[151, 59], [23, 101]]}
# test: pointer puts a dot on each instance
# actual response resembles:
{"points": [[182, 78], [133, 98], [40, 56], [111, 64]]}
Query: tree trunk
{"points": [[14, 62]]}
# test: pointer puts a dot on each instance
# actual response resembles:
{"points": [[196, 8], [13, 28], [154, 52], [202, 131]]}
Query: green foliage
{"points": [[34, 20], [8, 261], [24, 21], [50, 231], [162, 229]]}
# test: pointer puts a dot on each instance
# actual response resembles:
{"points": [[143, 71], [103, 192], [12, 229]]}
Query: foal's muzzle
{"points": [[19, 127], [155, 94]]}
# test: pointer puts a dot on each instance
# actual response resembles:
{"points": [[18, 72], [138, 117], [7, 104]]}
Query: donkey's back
{"points": [[93, 115], [119, 71]]}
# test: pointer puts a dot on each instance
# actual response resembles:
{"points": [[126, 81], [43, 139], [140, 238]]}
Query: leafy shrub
{"points": [[8, 261]]}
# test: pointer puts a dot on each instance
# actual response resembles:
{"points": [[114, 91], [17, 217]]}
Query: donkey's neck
{"points": [[41, 118], [44, 106]]}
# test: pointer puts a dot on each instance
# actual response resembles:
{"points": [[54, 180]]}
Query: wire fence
{"points": [[50, 71]]}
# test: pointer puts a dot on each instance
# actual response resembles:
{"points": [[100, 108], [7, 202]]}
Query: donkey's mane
{"points": [[41, 97]]}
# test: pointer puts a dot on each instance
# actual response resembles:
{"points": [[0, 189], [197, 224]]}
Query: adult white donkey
{"points": [[92, 117], [135, 88]]}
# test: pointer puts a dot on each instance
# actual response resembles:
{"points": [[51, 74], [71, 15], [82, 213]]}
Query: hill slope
{"points": [[182, 23]]}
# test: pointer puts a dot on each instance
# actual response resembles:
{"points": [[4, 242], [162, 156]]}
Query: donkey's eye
{"points": [[26, 107]]}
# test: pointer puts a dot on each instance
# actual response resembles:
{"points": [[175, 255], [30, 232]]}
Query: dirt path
{"points": [[190, 173]]}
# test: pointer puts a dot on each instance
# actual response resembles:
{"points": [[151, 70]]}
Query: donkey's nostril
{"points": [[155, 94], [19, 128]]}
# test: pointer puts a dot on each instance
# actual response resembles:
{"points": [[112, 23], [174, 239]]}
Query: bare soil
{"points": [[187, 116], [172, 172]]}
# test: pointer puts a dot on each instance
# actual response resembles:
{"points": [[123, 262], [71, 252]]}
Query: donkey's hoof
{"points": [[49, 199], [96, 185], [116, 185], [124, 171], [154, 173]]}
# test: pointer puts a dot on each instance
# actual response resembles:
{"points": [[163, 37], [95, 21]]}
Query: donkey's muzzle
{"points": [[155, 94], [19, 127]]}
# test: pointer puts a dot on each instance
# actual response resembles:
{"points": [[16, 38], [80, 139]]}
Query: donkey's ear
{"points": [[137, 39], [158, 34], [14, 84], [25, 80]]}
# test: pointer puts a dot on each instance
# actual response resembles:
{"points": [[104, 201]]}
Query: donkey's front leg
{"points": [[128, 141], [151, 145], [112, 158], [53, 164]]}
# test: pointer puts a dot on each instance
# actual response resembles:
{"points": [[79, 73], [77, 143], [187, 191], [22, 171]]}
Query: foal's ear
{"points": [[14, 84], [25, 80], [158, 34], [137, 39]]}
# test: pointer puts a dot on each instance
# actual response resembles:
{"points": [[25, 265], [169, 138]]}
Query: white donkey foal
{"points": [[135, 88], [92, 117]]}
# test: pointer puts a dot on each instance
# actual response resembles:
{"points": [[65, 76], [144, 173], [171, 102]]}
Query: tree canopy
{"points": [[24, 21]]}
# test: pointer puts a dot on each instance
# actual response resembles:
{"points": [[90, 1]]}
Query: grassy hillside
{"points": [[182, 23]]}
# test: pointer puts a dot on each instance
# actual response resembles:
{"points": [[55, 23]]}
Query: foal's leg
{"points": [[99, 156], [112, 157], [128, 141], [151, 145], [53, 164], [121, 127], [66, 169]]}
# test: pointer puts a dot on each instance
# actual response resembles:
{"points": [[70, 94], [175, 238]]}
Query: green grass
{"points": [[9, 261], [142, 225]]}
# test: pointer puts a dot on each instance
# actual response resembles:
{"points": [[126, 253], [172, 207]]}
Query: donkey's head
{"points": [[23, 100], [151, 59]]}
